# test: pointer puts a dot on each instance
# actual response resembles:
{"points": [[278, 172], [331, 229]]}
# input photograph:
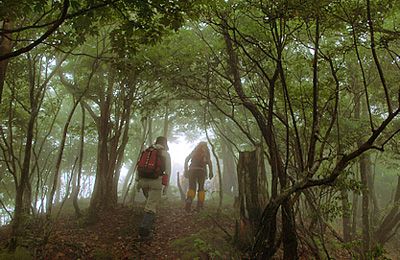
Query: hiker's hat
{"points": [[163, 141]]}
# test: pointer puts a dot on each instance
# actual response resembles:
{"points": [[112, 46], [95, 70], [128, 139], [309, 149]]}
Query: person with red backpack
{"points": [[154, 169], [197, 174]]}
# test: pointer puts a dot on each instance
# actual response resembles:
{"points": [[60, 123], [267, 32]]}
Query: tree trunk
{"points": [[354, 215], [127, 180], [252, 194], [102, 197], [166, 121], [130, 176], [365, 170], [229, 176], [346, 225], [181, 191], [113, 137], [149, 131], [388, 226], [75, 192], [289, 235], [265, 242], [20, 207], [120, 150], [56, 176], [373, 199]]}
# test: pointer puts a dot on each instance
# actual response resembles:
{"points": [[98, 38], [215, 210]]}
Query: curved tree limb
{"points": [[50, 31]]}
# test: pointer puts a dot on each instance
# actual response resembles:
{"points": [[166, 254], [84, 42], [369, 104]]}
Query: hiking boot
{"points": [[188, 205], [145, 238], [199, 205], [146, 226], [201, 195]]}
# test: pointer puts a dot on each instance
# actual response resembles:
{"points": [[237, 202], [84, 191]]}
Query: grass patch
{"points": [[205, 244], [20, 253], [102, 255]]}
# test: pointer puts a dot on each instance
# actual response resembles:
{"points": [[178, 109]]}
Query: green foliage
{"points": [[20, 253], [102, 254], [205, 244], [378, 252]]}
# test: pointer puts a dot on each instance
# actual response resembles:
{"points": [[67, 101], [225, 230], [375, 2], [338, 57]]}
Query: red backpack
{"points": [[151, 164]]}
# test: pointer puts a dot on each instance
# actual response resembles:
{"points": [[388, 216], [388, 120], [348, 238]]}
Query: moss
{"points": [[19, 254], [205, 244], [100, 254]]}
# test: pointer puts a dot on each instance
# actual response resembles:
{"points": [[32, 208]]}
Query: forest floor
{"points": [[177, 235], [207, 234]]}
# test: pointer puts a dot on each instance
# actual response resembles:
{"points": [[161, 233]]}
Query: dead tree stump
{"points": [[252, 195]]}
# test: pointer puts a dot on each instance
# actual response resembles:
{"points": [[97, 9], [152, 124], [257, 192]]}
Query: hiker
{"points": [[197, 174], [154, 169]]}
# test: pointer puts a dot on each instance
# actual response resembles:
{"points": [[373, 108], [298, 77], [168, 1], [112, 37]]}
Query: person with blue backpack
{"points": [[154, 169]]}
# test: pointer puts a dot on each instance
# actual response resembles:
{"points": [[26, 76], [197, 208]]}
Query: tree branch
{"points": [[41, 38]]}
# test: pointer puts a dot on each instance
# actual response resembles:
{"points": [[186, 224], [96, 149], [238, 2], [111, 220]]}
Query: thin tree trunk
{"points": [[387, 228], [150, 131], [346, 224], [75, 193], [56, 175], [121, 150], [178, 183], [124, 141], [127, 180], [166, 121], [131, 174], [364, 171], [229, 176], [354, 215], [221, 193], [373, 199]]}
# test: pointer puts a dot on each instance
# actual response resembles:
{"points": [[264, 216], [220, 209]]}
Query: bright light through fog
{"points": [[178, 150]]}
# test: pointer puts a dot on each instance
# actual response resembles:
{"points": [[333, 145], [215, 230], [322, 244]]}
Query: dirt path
{"points": [[114, 236]]}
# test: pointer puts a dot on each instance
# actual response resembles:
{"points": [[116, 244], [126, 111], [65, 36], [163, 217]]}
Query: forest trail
{"points": [[177, 235]]}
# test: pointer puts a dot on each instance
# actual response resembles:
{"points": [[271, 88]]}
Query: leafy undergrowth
{"points": [[177, 235]]}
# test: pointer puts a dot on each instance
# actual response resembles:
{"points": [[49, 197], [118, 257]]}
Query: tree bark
{"points": [[354, 215], [229, 176], [75, 192], [181, 192], [166, 121], [391, 221], [131, 173], [113, 137], [120, 150], [365, 170], [102, 197], [56, 176], [346, 224], [22, 208], [252, 194]]}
